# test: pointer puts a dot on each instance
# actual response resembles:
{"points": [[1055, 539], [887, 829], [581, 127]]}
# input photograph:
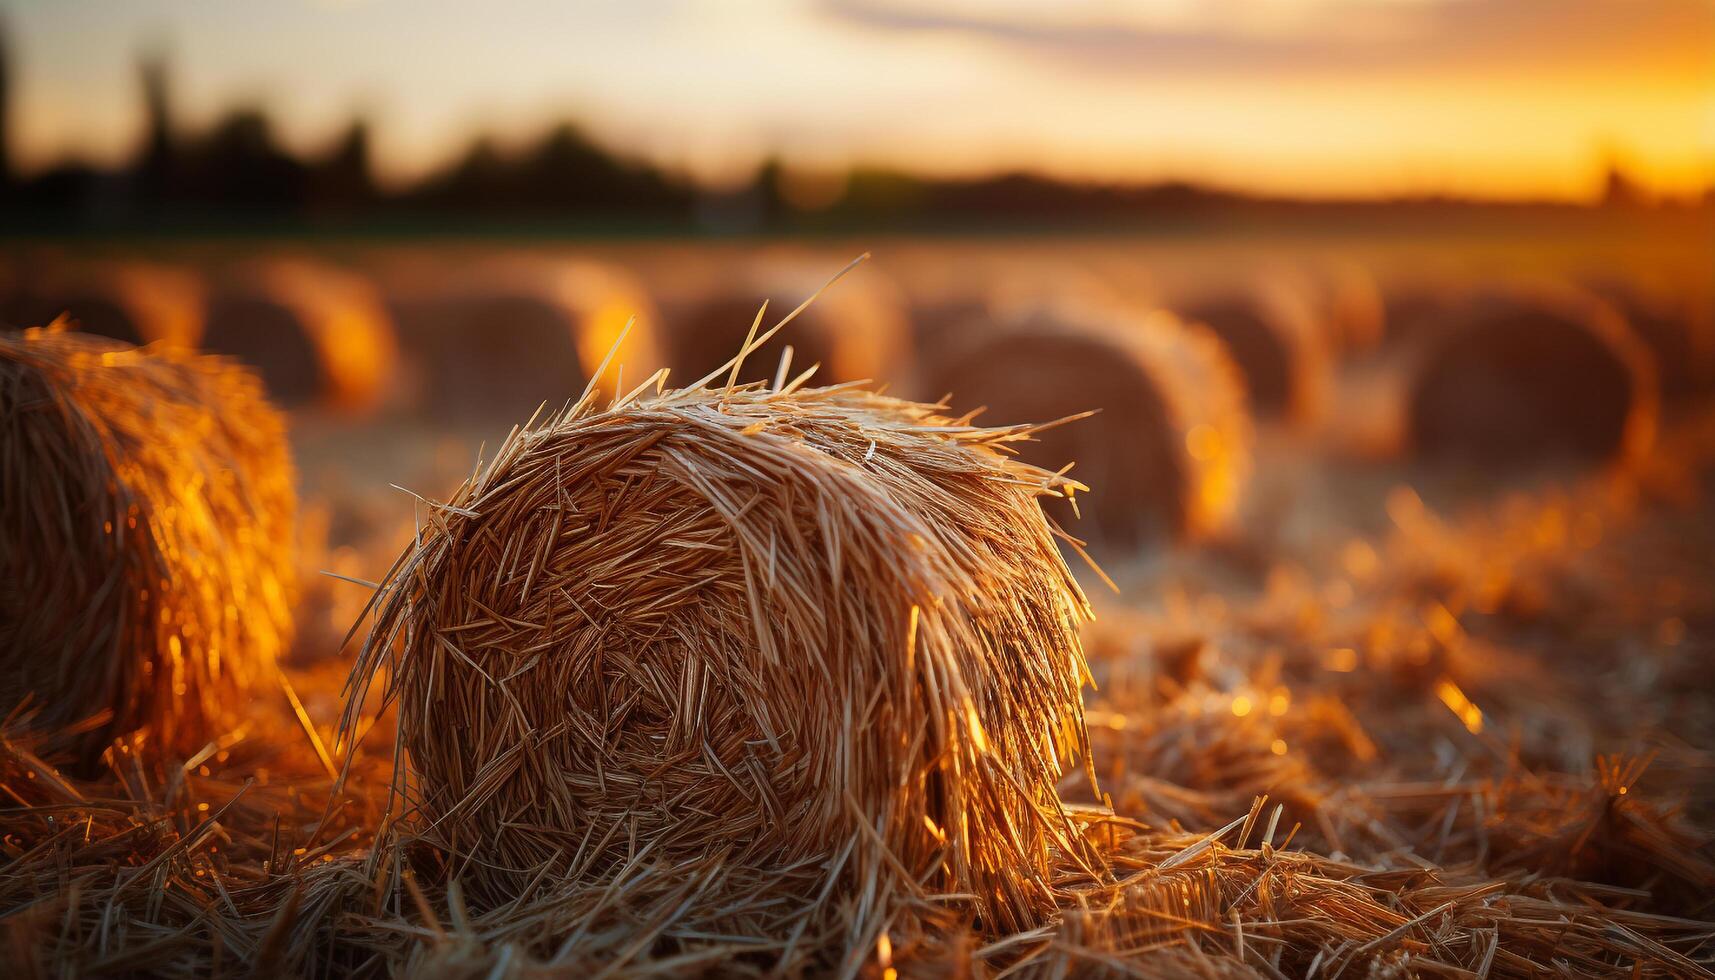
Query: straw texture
{"points": [[146, 521], [813, 649]]}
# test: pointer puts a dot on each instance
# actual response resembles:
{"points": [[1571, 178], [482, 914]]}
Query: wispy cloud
{"points": [[1316, 36]]}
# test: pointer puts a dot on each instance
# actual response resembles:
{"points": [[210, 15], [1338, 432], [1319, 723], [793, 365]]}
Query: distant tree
{"points": [[239, 164], [156, 169], [7, 177], [343, 180], [566, 170], [477, 181], [1619, 190]]}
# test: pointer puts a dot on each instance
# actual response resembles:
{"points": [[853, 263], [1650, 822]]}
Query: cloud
{"points": [[1318, 37]]}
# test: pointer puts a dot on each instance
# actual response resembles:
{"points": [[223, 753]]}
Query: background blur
{"points": [[1297, 252]]}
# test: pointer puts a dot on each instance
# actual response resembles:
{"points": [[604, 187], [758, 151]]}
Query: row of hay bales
{"points": [[316, 334], [821, 658], [858, 594], [1497, 372]]}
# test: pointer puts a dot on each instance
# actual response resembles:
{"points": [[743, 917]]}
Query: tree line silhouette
{"points": [[238, 172]]}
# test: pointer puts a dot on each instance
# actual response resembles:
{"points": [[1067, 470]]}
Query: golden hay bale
{"points": [[859, 331], [1169, 447], [810, 652], [498, 338], [1271, 330], [146, 521], [136, 302], [1529, 372], [317, 335]]}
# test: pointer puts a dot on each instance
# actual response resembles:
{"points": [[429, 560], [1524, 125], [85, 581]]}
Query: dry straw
{"points": [[146, 515], [806, 655], [1428, 815], [1168, 448]]}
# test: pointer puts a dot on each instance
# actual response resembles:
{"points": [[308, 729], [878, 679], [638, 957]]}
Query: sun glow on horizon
{"points": [[1311, 97]]}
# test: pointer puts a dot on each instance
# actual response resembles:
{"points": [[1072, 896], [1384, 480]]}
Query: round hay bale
{"points": [[804, 655], [1167, 451], [318, 336], [1344, 300], [1356, 308], [497, 339], [1679, 335], [954, 306], [1272, 334], [146, 522], [135, 302], [1527, 374], [857, 330]]}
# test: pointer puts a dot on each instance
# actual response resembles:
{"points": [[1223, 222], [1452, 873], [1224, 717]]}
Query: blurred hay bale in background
{"points": [[1520, 374], [1345, 300], [146, 530], [495, 339], [1676, 324], [1270, 327], [318, 335], [754, 663], [954, 306], [860, 331], [1167, 451], [134, 301]]}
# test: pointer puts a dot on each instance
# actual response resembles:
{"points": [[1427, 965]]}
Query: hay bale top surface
{"points": [[815, 647]]}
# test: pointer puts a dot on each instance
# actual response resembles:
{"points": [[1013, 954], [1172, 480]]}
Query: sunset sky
{"points": [[1483, 97]]}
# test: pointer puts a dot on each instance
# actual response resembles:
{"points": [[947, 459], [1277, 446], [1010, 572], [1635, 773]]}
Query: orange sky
{"points": [[1484, 97]]}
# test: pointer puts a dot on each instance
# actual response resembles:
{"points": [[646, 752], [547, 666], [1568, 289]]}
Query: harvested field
{"points": [[1403, 715]]}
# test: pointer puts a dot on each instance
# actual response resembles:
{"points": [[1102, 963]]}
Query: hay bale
{"points": [[955, 305], [784, 661], [1168, 450], [1526, 373], [496, 339], [146, 521], [1344, 299], [135, 302], [1270, 329], [317, 335], [1675, 327], [860, 331]]}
